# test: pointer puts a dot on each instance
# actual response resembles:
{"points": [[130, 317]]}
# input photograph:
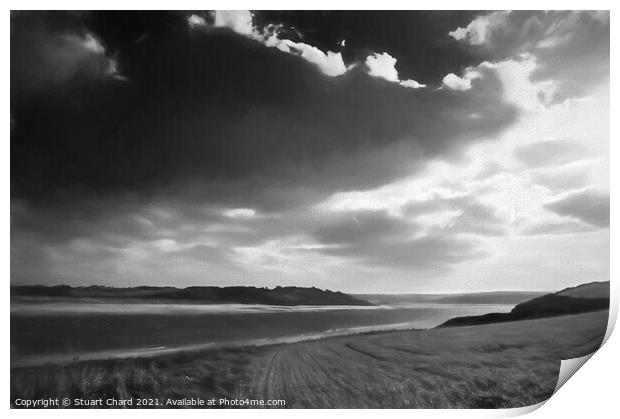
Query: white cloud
{"points": [[477, 32], [330, 63], [195, 20], [554, 41], [412, 84], [454, 82], [383, 66], [242, 22], [519, 89]]}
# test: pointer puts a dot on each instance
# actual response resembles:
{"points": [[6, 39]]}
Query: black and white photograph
{"points": [[306, 209]]}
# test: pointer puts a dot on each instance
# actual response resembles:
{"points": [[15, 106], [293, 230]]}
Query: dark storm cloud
{"points": [[588, 206], [215, 108], [48, 55], [571, 47]]}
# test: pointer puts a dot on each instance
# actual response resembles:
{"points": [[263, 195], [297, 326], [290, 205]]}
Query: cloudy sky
{"points": [[357, 151]]}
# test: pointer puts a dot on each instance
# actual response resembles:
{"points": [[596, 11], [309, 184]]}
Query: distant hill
{"points": [[285, 296], [493, 297], [584, 298]]}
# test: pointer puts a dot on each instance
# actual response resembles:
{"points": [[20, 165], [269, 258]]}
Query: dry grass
{"points": [[498, 365], [213, 373]]}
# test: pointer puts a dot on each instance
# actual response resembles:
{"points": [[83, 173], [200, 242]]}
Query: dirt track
{"points": [[507, 365]]}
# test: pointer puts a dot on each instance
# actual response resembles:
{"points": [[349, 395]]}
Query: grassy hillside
{"points": [[591, 290], [582, 299], [496, 365], [286, 296]]}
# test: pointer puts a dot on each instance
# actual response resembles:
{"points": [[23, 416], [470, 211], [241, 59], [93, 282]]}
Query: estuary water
{"points": [[61, 331]]}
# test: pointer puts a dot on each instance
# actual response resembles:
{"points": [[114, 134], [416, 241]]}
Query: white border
{"points": [[308, 5]]}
